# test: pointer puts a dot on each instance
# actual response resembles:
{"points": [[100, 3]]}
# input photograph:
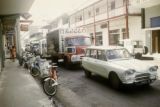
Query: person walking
{"points": [[13, 53]]}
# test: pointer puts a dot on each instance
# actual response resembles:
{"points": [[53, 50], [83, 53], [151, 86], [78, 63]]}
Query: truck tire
{"points": [[66, 63]]}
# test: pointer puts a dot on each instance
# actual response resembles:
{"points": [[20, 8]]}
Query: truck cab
{"points": [[74, 48]]}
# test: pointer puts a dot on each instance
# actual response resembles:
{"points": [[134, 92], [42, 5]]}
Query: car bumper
{"points": [[141, 79]]}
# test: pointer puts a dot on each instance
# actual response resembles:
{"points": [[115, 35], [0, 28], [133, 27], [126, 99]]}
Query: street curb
{"points": [[69, 99]]}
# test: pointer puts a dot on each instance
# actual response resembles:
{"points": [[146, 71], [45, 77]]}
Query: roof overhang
{"points": [[145, 3], [15, 6], [155, 28]]}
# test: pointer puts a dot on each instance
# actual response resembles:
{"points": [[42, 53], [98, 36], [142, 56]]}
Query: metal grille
{"points": [[142, 77]]}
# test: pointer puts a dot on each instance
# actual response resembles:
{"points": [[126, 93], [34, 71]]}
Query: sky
{"points": [[43, 11]]}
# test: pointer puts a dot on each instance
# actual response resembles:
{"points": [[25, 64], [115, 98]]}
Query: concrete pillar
{"points": [[17, 33], [0, 45]]}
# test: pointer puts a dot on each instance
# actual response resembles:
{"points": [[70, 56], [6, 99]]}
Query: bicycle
{"points": [[50, 83]]}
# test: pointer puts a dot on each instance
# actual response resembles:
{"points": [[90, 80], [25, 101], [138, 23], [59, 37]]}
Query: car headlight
{"points": [[129, 72], [153, 68]]}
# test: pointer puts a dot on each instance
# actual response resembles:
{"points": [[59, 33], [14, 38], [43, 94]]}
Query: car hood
{"points": [[138, 65]]}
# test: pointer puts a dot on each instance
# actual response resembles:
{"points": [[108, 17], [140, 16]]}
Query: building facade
{"points": [[151, 23], [108, 21], [10, 12]]}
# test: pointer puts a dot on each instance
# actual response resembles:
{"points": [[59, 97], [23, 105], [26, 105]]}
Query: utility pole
{"points": [[94, 34], [127, 29]]}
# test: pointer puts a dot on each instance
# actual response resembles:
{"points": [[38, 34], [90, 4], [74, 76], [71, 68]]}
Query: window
{"points": [[94, 54], [124, 2], [98, 39], [124, 34], [112, 5], [89, 13], [101, 7], [65, 20], [101, 55], [114, 36], [78, 41], [72, 19], [117, 54], [87, 53], [79, 18], [97, 11]]}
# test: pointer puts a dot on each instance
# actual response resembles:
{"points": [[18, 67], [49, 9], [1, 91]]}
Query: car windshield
{"points": [[77, 41], [117, 54]]}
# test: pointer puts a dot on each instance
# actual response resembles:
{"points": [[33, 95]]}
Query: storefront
{"points": [[153, 40], [152, 28], [10, 11]]}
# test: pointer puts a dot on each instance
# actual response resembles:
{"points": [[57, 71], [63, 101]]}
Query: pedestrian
{"points": [[13, 53]]}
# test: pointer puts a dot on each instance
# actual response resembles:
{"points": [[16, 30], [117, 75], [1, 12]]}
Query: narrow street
{"points": [[43, 41], [96, 92]]}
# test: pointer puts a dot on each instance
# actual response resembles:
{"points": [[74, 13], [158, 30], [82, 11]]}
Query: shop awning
{"points": [[155, 28], [15, 6], [145, 3]]}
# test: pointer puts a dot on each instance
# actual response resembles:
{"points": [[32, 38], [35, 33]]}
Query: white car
{"points": [[116, 64]]}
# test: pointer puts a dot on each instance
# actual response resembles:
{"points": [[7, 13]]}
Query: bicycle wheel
{"points": [[49, 88]]}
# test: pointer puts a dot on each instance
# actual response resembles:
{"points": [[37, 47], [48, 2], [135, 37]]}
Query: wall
{"points": [[135, 30], [151, 12], [119, 23], [0, 46]]}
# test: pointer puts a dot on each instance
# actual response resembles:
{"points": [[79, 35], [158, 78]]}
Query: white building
{"points": [[151, 23], [108, 21]]}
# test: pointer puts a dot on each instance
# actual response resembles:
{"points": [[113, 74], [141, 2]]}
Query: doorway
{"points": [[156, 41]]}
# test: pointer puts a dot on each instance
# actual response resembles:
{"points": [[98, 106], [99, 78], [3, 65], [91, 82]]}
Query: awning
{"points": [[155, 28], [145, 3], [15, 6]]}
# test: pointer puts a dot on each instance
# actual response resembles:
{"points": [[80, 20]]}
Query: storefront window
{"points": [[114, 36]]}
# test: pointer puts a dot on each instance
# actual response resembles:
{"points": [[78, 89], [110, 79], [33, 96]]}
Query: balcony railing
{"points": [[144, 3], [139, 1]]}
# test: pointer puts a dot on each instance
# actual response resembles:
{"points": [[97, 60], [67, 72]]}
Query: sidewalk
{"points": [[19, 89], [154, 56]]}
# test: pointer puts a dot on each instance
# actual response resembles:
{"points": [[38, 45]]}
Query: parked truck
{"points": [[67, 47]]}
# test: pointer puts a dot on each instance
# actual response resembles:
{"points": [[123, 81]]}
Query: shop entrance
{"points": [[156, 41]]}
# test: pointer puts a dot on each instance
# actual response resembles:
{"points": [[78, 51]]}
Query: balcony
{"points": [[144, 3]]}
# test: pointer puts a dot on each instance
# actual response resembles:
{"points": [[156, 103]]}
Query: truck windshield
{"points": [[78, 41], [118, 54]]}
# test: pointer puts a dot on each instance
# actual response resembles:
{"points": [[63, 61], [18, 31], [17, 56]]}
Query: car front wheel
{"points": [[114, 81], [87, 73]]}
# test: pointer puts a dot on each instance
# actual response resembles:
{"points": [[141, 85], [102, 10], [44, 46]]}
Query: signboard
{"points": [[24, 27], [73, 31]]}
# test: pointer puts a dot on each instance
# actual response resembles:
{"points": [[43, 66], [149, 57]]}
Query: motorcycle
{"points": [[40, 68]]}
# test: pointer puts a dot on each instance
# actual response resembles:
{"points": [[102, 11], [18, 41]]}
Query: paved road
{"points": [[96, 92]]}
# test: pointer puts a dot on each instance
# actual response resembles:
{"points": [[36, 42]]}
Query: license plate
{"points": [[144, 82]]}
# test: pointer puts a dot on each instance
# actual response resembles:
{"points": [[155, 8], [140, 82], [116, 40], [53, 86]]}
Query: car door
{"points": [[100, 63], [92, 60], [86, 60]]}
